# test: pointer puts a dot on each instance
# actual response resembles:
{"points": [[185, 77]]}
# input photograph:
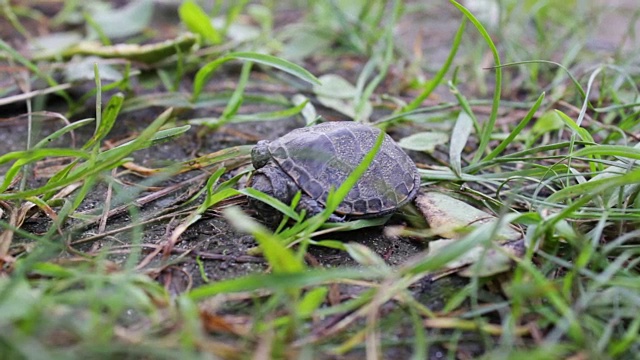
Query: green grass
{"points": [[104, 238]]}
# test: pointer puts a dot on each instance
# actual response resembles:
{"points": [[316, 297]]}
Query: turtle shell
{"points": [[320, 157]]}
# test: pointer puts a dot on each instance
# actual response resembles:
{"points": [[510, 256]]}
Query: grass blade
{"points": [[504, 143], [281, 258], [107, 120], [485, 136], [203, 75], [432, 84]]}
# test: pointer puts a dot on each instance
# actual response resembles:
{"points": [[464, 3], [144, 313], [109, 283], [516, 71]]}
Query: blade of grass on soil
{"points": [[203, 75]]}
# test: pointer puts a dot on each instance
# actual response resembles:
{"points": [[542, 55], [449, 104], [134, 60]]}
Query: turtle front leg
{"points": [[313, 207], [273, 182]]}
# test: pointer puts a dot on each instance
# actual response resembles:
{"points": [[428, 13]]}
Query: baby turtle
{"points": [[314, 159]]}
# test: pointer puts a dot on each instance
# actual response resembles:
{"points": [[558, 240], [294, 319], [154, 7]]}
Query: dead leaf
{"points": [[453, 219]]}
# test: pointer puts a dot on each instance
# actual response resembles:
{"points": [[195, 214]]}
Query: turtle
{"points": [[317, 158]]}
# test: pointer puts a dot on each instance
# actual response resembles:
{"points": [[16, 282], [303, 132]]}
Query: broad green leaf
{"points": [[549, 121], [53, 44], [126, 21], [238, 32], [334, 86], [303, 41], [197, 21], [338, 94], [83, 69], [459, 136], [149, 53], [424, 141], [308, 110]]}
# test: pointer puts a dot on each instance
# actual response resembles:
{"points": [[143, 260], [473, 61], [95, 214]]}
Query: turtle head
{"points": [[272, 181], [260, 154]]}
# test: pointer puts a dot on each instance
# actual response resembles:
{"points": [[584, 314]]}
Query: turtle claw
{"points": [[336, 218], [312, 207]]}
